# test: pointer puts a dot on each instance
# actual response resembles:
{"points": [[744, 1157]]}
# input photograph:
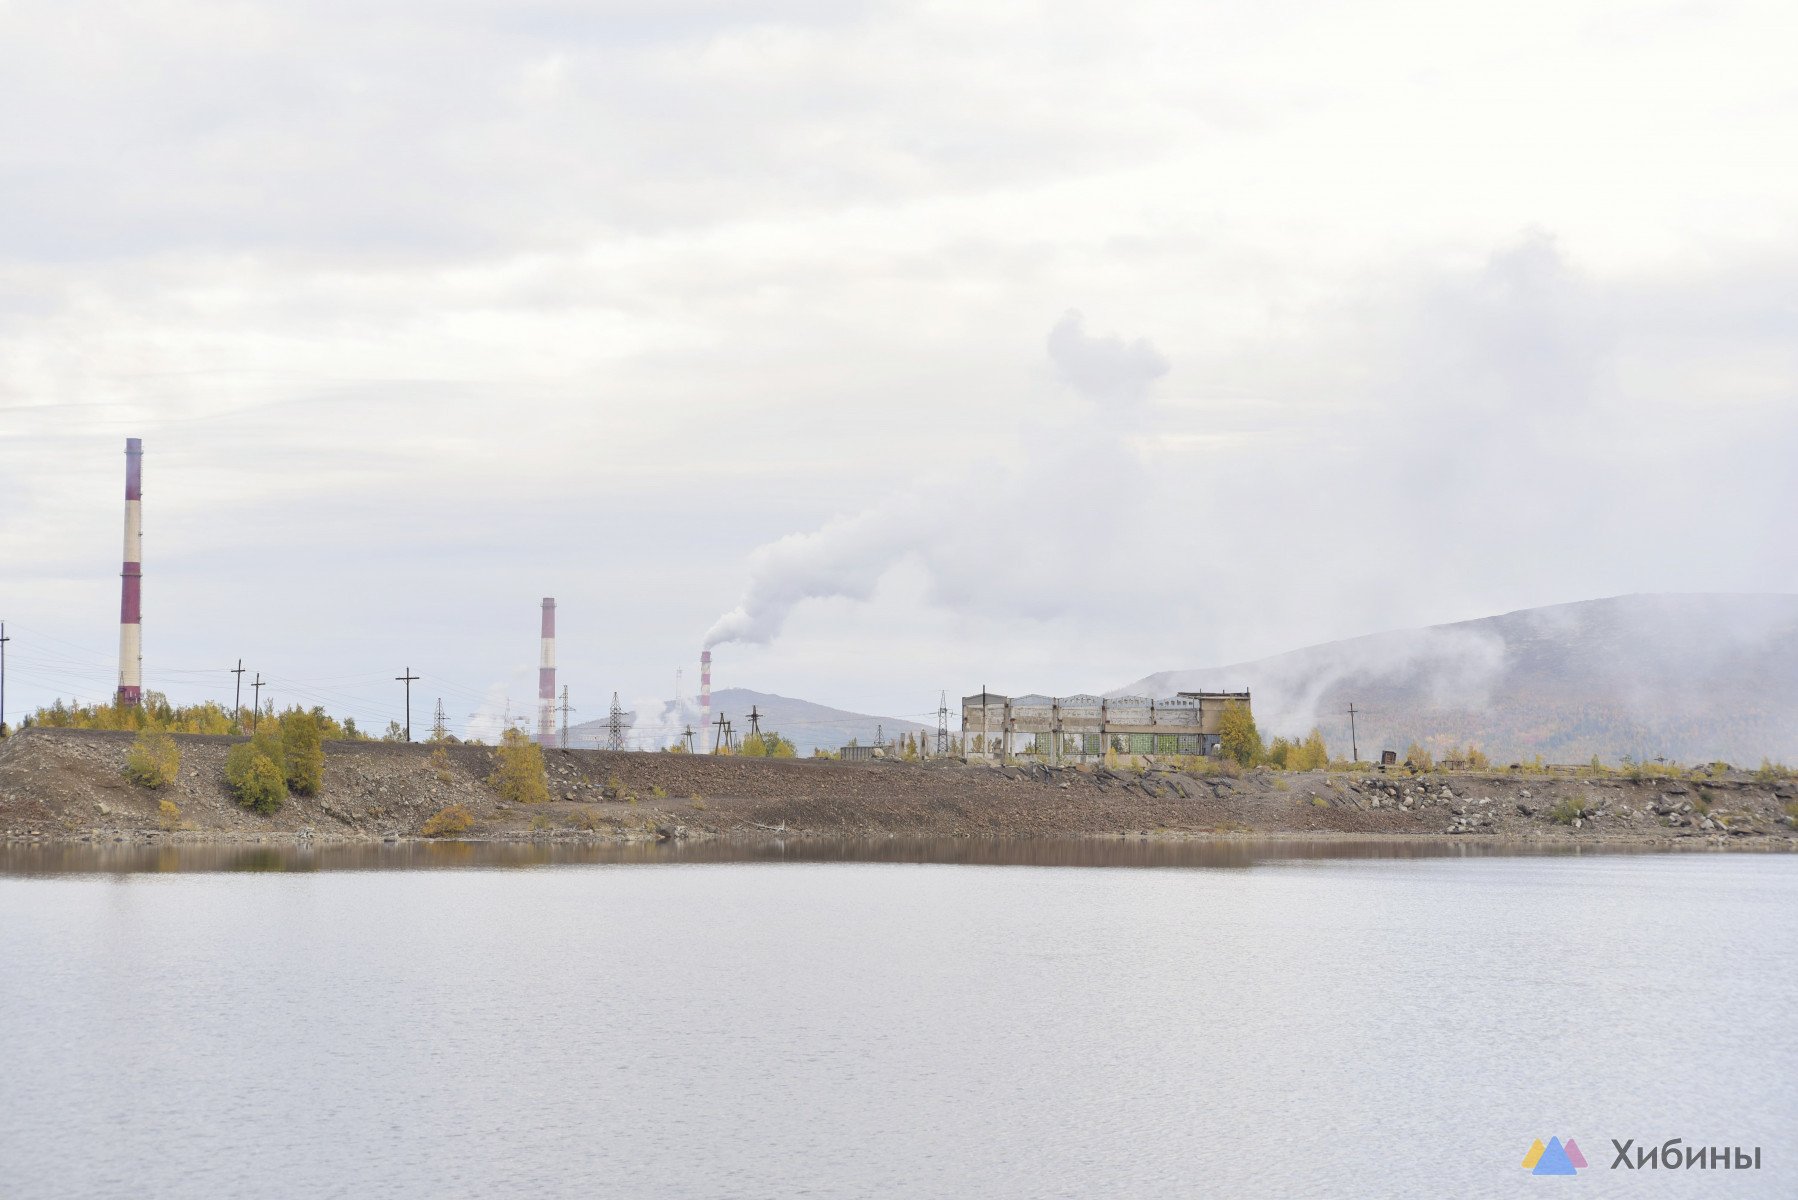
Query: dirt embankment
{"points": [[67, 785]]}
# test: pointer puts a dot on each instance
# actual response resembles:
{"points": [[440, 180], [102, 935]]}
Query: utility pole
{"points": [[3, 640], [237, 698], [1354, 747], [723, 734], [256, 710], [565, 711], [687, 739], [439, 727], [942, 724], [880, 736], [755, 722], [407, 679]]}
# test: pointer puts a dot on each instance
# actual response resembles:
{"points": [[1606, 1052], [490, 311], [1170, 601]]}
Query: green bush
{"points": [[153, 761], [1565, 812], [1771, 772], [256, 774], [302, 752], [520, 777], [451, 820]]}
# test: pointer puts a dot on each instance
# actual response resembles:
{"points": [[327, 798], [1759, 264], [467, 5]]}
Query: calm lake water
{"points": [[1199, 1021]]}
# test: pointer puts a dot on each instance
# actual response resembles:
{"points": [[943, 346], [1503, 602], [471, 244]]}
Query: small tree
{"points": [[302, 753], [154, 760], [1310, 754], [1279, 754], [256, 774], [754, 746], [1237, 735], [520, 776], [1418, 757]]}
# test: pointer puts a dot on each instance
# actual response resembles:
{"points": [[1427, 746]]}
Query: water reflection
{"points": [[1235, 854]]}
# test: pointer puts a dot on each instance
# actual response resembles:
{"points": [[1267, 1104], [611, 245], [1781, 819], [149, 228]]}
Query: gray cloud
{"points": [[1104, 369], [478, 302]]}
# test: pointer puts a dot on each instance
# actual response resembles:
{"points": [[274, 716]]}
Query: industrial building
{"points": [[1057, 727]]}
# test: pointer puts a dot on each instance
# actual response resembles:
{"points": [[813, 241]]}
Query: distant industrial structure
{"points": [[131, 598], [1057, 727], [546, 676], [705, 691]]}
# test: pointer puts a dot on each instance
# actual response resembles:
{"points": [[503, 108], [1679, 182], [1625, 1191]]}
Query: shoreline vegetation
{"points": [[294, 784]]}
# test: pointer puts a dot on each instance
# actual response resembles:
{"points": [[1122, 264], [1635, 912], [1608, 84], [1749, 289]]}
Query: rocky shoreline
{"points": [[61, 786]]}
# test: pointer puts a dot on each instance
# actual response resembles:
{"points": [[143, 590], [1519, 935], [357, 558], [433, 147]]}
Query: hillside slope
{"points": [[809, 725], [1688, 677]]}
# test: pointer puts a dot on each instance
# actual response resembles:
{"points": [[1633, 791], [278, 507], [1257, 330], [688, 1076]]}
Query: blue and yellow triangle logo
{"points": [[1554, 1158]]}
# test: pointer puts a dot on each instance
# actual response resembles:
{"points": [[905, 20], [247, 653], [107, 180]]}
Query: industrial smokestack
{"points": [[705, 693], [546, 676], [131, 611]]}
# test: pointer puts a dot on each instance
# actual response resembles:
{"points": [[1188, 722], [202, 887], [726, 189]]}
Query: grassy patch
{"points": [[1566, 812]]}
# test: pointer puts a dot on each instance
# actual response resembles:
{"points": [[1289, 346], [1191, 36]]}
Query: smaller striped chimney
{"points": [[546, 676], [131, 597], [705, 695]]}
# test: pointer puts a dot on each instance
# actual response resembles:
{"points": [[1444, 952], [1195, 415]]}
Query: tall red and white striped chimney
{"points": [[705, 695], [131, 579], [546, 676]]}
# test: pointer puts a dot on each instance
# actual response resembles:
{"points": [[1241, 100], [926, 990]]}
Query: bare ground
{"points": [[67, 786]]}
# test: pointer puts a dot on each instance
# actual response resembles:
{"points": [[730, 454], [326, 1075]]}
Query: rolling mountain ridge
{"points": [[1688, 677]]}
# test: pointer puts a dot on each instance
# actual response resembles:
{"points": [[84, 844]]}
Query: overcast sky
{"points": [[911, 346]]}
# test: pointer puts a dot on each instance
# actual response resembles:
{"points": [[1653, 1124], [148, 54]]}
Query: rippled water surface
{"points": [[1246, 1020]]}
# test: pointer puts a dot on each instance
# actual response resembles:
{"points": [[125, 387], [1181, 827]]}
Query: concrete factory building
{"points": [[1055, 727]]}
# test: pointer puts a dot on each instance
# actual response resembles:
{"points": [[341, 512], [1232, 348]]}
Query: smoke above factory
{"points": [[1089, 448]]}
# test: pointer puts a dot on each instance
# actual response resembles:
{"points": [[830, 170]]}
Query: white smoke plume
{"points": [[847, 556]]}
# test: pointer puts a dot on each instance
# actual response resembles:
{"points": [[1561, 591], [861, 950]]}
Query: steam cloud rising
{"points": [[847, 557]]}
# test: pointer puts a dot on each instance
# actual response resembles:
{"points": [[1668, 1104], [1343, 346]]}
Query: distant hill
{"points": [[808, 725], [1688, 677]]}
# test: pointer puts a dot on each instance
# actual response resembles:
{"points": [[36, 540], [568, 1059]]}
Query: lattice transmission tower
{"points": [[615, 725]]}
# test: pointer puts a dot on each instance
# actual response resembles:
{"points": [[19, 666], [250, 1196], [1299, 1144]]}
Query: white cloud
{"points": [[445, 308]]}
